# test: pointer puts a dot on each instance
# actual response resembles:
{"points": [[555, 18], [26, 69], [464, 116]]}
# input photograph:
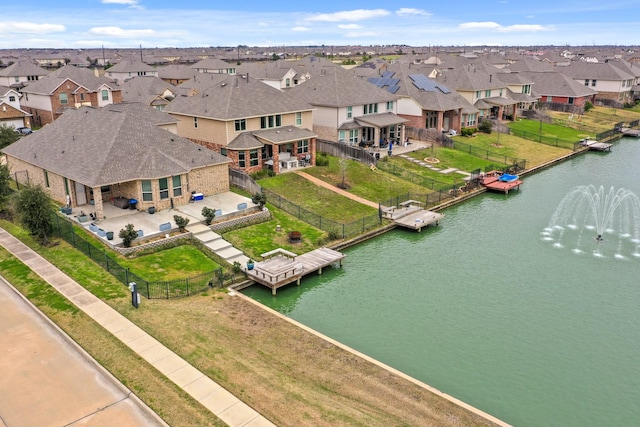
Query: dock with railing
{"points": [[410, 214], [281, 267]]}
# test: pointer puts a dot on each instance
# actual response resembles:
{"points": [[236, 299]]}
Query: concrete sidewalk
{"points": [[211, 395]]}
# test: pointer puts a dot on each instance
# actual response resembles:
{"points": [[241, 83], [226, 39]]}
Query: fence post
{"points": [[187, 285], [126, 276], [89, 249], [106, 261], [167, 289], [343, 231]]}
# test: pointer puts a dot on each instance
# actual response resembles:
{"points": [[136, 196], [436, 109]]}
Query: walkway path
{"points": [[211, 395], [324, 184]]}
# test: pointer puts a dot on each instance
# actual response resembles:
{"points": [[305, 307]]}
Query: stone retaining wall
{"points": [[259, 216], [155, 244]]}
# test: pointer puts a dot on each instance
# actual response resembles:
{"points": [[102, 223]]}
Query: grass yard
{"points": [[318, 200], [599, 119], [448, 158], [170, 264], [260, 238], [514, 147], [373, 185], [550, 130]]}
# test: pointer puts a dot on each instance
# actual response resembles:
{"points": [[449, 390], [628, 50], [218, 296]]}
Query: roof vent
{"points": [[289, 130], [223, 84]]}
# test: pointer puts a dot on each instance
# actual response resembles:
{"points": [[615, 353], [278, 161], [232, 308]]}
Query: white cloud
{"points": [[350, 26], [7, 27], [119, 32], [128, 2], [493, 26], [300, 29], [350, 15], [409, 11]]}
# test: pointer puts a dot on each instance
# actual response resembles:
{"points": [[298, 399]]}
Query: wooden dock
{"points": [[631, 132], [411, 215], [491, 181], [592, 144], [281, 267]]}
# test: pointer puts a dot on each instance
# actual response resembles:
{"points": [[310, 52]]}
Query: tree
{"points": [[208, 214], [181, 222], [8, 136], [35, 211], [5, 190], [259, 199], [344, 164], [128, 234]]}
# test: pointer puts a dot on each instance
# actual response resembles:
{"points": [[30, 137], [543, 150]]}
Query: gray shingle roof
{"points": [[145, 88], [99, 147], [82, 76], [554, 83], [229, 97], [130, 65], [22, 68]]}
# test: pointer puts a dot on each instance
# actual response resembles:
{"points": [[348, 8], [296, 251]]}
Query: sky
{"points": [[195, 23]]}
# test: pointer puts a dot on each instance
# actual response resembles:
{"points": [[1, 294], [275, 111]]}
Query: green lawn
{"points": [[318, 200], [447, 158], [373, 185], [170, 264], [550, 130], [260, 238]]}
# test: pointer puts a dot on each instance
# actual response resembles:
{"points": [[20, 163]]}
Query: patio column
{"points": [[440, 120], [97, 203]]}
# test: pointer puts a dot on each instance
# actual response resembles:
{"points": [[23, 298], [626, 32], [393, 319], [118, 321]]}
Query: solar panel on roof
{"points": [[393, 89], [388, 74]]}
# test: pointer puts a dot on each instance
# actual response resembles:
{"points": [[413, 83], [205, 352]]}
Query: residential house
{"points": [[128, 68], [21, 72], [424, 102], [64, 88], [175, 74], [149, 114], [91, 156], [213, 66], [148, 90], [519, 88], [479, 85], [349, 109], [253, 124], [10, 112], [613, 84], [277, 74], [554, 87]]}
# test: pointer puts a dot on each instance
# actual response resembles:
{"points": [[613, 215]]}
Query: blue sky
{"points": [[193, 23]]}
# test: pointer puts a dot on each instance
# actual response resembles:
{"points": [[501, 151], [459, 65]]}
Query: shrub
{"points": [[208, 214], [486, 126], [588, 106], [322, 159], [259, 199], [264, 173], [467, 131], [181, 222], [35, 211], [128, 234]]}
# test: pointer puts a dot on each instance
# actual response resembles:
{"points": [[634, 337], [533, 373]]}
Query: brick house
{"points": [[253, 124], [67, 87], [91, 156], [10, 112]]}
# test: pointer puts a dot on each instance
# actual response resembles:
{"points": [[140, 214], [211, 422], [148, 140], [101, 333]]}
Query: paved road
{"points": [[47, 380]]}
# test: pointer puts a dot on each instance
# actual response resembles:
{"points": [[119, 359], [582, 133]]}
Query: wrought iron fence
{"points": [[150, 289]]}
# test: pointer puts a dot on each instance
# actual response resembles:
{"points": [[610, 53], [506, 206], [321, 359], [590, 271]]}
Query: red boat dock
{"points": [[491, 181]]}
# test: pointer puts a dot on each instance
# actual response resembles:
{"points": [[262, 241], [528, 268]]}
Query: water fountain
{"points": [[592, 220]]}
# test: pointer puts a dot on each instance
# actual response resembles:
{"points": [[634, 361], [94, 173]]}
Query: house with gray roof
{"points": [[92, 156], [612, 83], [278, 74], [175, 74], [10, 112], [553, 87], [67, 87], [252, 123], [349, 109], [130, 67], [213, 66], [20, 73], [149, 90]]}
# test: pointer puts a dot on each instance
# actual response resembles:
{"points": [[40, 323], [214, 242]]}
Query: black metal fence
{"points": [[542, 139], [334, 228], [150, 289]]}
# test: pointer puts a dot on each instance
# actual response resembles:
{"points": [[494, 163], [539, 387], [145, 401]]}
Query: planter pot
{"points": [[249, 266], [109, 235], [83, 218], [151, 210]]}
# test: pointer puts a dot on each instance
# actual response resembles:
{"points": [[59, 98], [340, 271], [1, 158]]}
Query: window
{"points": [[478, 94], [195, 122], [431, 120], [223, 151], [163, 183], [303, 146], [287, 82], [298, 118], [342, 136], [241, 159], [82, 97], [500, 92], [471, 119], [105, 95], [570, 100], [487, 93], [12, 98], [147, 192], [46, 179], [63, 98], [349, 112], [370, 108], [177, 186], [353, 136], [268, 122], [253, 157], [389, 105], [241, 124], [586, 82], [593, 82], [17, 79], [526, 89]]}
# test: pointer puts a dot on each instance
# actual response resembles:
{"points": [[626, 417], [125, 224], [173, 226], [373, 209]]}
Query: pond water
{"points": [[486, 309]]}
